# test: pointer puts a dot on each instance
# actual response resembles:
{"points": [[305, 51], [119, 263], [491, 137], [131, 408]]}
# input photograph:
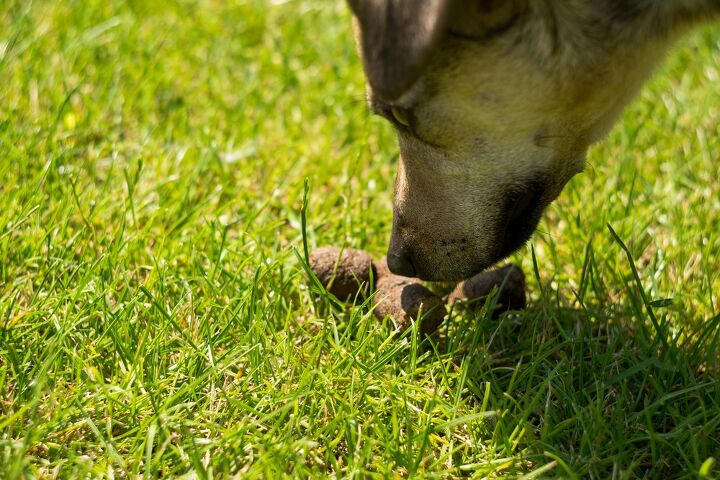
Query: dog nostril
{"points": [[400, 263]]}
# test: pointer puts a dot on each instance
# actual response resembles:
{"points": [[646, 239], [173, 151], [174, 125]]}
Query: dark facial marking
{"points": [[489, 33]]}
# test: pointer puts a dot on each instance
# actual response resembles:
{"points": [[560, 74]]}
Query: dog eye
{"points": [[400, 116]]}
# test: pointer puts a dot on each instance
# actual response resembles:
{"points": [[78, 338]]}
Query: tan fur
{"points": [[495, 110]]}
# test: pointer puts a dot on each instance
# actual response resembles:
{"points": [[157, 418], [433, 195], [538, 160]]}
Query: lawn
{"points": [[156, 318]]}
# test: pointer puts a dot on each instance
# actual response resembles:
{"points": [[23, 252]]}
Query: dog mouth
{"points": [[524, 209]]}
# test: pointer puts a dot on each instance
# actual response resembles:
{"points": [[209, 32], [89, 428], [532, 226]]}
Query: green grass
{"points": [[155, 318]]}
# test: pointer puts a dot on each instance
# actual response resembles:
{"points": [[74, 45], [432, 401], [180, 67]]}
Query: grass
{"points": [[156, 319]]}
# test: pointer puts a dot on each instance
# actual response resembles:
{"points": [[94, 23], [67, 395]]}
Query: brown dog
{"points": [[495, 103]]}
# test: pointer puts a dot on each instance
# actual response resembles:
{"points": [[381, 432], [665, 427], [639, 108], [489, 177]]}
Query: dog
{"points": [[495, 103]]}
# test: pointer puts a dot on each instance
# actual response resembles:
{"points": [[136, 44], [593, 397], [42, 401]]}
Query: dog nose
{"points": [[400, 262]]}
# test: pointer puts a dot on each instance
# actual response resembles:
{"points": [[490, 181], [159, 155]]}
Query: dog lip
{"points": [[523, 214], [455, 274], [520, 229], [524, 203]]}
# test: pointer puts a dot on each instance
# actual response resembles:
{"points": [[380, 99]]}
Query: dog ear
{"points": [[396, 39]]}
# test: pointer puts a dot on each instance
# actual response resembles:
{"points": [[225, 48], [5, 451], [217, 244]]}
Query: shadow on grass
{"points": [[595, 389]]}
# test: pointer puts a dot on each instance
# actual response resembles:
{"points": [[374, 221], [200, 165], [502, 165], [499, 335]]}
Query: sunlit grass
{"points": [[155, 319]]}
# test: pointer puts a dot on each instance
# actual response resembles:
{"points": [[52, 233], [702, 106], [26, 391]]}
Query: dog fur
{"points": [[495, 103]]}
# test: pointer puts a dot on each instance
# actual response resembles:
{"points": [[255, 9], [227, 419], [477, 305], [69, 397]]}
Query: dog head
{"points": [[495, 103]]}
